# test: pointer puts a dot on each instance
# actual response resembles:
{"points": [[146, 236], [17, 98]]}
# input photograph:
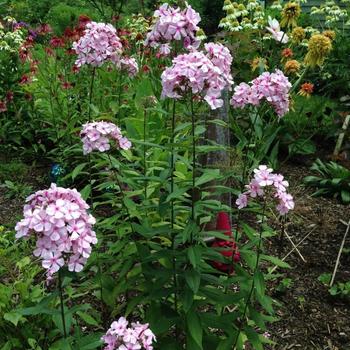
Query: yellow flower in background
{"points": [[329, 34], [259, 62], [291, 67], [298, 35], [290, 14], [319, 47], [306, 90]]}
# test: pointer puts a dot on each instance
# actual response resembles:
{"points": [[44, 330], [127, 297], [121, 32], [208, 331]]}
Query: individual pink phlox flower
{"points": [[279, 182], [174, 24], [53, 261], [164, 50], [97, 135], [61, 224], [119, 327], [263, 176], [99, 44], [286, 202], [129, 346], [242, 201], [254, 189]]}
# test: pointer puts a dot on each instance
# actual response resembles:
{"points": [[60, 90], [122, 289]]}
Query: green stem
{"points": [[193, 214], [123, 196], [144, 152], [172, 218], [91, 91], [60, 289], [255, 270]]}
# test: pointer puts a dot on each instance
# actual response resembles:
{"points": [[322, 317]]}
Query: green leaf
{"points": [[62, 344], [194, 255], [194, 327], [88, 318], [77, 170], [208, 176], [12, 317], [253, 338], [345, 196], [193, 279], [89, 342], [275, 261], [259, 283], [85, 192]]}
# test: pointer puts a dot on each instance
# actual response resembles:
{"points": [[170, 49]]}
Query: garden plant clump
{"points": [[142, 201]]}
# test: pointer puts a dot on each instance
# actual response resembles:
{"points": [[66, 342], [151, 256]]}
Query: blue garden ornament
{"points": [[56, 173]]}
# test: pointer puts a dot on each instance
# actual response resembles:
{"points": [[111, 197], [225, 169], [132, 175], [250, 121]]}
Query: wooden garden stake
{"points": [[341, 135], [340, 251]]}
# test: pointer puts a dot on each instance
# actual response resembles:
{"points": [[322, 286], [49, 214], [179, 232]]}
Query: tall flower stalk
{"points": [[60, 289]]}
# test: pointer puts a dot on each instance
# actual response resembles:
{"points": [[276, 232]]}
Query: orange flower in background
{"points": [[259, 62], [329, 34], [287, 53], [306, 89], [298, 35], [291, 67]]}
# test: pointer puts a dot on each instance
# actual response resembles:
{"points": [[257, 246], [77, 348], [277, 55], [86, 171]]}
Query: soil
{"points": [[309, 317]]}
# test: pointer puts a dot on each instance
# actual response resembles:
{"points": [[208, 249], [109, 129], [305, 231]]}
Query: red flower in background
{"points": [[3, 106], [44, 29], [66, 85], [228, 248], [49, 51], [25, 79], [71, 34], [146, 68], [9, 96], [57, 42]]}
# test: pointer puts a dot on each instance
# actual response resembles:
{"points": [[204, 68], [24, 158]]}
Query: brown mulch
{"points": [[310, 318]]}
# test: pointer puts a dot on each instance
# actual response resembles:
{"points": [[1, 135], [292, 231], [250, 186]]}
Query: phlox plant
{"points": [[131, 128]]}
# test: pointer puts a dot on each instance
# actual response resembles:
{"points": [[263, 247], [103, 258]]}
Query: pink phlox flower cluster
{"points": [[121, 336], [264, 178], [129, 65], [206, 74], [97, 136], [221, 57], [174, 24], [276, 32], [59, 217], [99, 44], [273, 87]]}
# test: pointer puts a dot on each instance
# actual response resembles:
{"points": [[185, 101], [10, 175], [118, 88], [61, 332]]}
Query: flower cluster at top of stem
{"points": [[99, 44], [276, 32], [259, 186], [274, 87], [174, 24], [121, 337], [199, 73], [63, 228], [129, 65], [97, 135]]}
